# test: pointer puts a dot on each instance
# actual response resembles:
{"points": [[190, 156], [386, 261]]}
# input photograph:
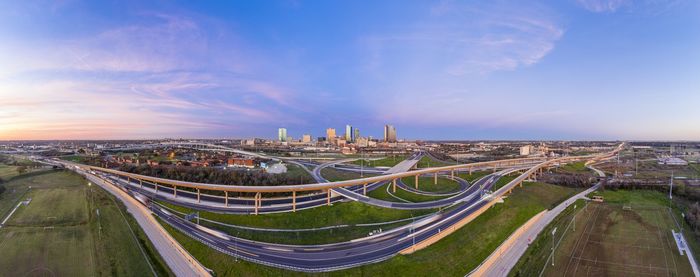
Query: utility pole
{"points": [[553, 232]]}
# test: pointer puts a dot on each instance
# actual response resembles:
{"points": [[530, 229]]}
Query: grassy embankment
{"points": [[344, 213], [61, 233], [454, 255]]}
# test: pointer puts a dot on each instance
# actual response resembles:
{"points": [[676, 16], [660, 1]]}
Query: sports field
{"points": [[619, 240], [69, 228]]}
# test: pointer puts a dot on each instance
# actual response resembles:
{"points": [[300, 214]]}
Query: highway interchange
{"points": [[463, 205]]}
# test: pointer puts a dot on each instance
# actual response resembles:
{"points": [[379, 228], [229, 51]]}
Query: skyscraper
{"points": [[356, 135], [348, 133], [330, 134], [306, 138], [282, 134], [389, 133]]}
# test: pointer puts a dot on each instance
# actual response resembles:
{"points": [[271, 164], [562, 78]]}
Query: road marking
{"points": [[243, 251]]}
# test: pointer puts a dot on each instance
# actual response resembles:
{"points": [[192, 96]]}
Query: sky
{"points": [[452, 70]]}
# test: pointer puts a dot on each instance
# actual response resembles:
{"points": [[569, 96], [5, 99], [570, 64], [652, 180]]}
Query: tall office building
{"points": [[330, 134], [348, 133], [282, 134], [356, 135], [306, 138], [389, 133]]}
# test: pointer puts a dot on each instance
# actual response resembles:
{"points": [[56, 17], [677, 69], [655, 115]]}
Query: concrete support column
{"points": [[494, 167], [470, 170], [328, 198], [198, 196], [364, 189], [128, 180], [416, 184], [394, 185], [155, 185], [175, 191], [226, 198], [141, 183], [257, 202], [294, 201], [452, 173], [435, 177]]}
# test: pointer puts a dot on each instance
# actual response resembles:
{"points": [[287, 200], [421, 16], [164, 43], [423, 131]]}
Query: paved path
{"points": [[178, 259]]}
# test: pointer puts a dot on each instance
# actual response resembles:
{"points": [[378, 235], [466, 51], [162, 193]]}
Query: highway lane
{"points": [[315, 258]]}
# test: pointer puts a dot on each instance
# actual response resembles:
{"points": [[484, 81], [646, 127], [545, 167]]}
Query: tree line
{"points": [[215, 176]]}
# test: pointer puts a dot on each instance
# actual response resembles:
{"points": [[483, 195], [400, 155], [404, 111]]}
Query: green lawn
{"points": [[426, 183], [60, 232], [576, 167], [455, 255], [476, 175], [295, 172], [385, 162], [381, 193]]}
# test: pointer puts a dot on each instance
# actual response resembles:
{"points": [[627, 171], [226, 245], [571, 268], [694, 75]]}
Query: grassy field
{"points": [[443, 185], [346, 213], [295, 172], [382, 194], [8, 171], [476, 175], [426, 161], [61, 232], [385, 162], [628, 235], [332, 174], [576, 167], [504, 180], [454, 255]]}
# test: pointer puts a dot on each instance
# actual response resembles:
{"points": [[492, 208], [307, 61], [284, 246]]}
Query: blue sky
{"points": [[577, 69]]}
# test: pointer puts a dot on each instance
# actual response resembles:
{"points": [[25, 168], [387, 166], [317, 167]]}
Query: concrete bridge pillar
{"points": [[140, 183], [364, 189], [393, 185], [470, 170], [257, 202], [416, 184], [128, 180], [226, 198], [294, 201], [328, 198], [435, 177], [175, 191], [155, 185], [198, 195], [452, 173]]}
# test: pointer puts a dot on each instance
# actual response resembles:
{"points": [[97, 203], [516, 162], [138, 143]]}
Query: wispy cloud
{"points": [[603, 6], [466, 39]]}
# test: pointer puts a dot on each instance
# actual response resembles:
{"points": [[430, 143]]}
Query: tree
{"points": [[21, 169]]}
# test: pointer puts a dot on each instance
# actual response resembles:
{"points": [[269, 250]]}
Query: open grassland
{"points": [[628, 235], [443, 185], [576, 167], [71, 229], [384, 162], [454, 255]]}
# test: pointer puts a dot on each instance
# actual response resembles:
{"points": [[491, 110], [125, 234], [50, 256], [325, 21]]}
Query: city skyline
{"points": [[570, 70]]}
